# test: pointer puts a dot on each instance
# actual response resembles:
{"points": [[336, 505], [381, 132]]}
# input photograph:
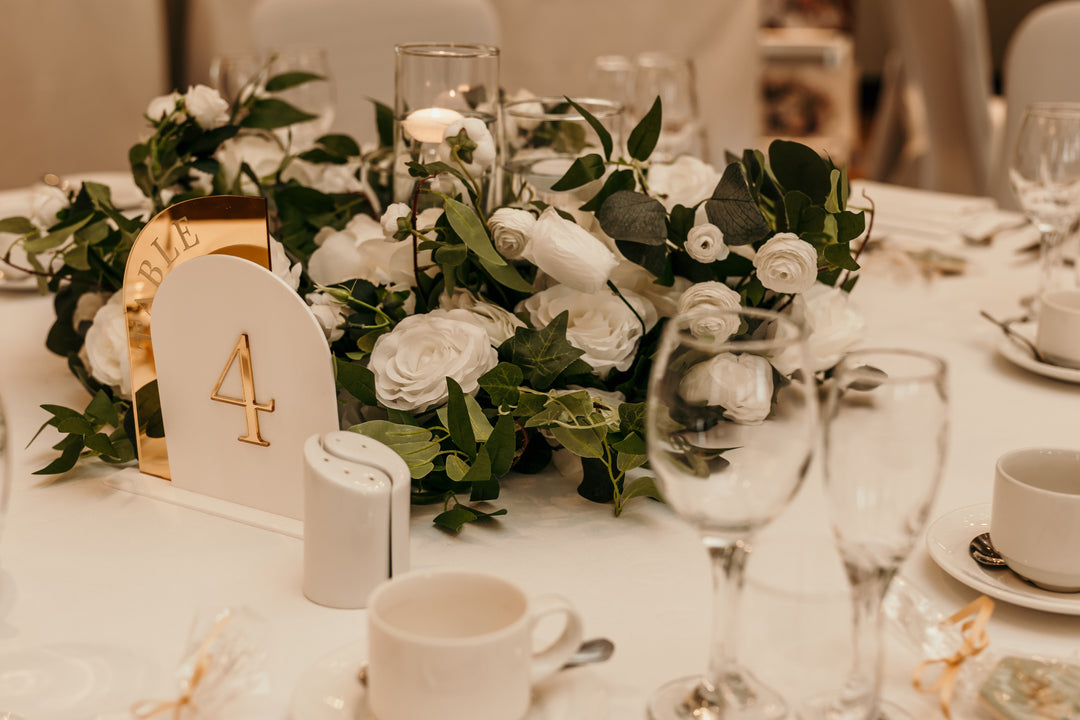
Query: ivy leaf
{"points": [[849, 226], [601, 131], [501, 384], [587, 442], [632, 418], [287, 80], [642, 487], [484, 487], [733, 209], [541, 354], [271, 113], [646, 133], [628, 461], [633, 217], [583, 170], [455, 518], [500, 446], [839, 254], [797, 167]]}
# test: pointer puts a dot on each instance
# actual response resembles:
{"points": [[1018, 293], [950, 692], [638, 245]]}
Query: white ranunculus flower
{"points": [[263, 154], [686, 181], [497, 322], [412, 361], [741, 384], [107, 347], [705, 243], [569, 253], [510, 230], [45, 202], [600, 324], [833, 326], [281, 266], [786, 263], [702, 300], [329, 313], [484, 154], [86, 307], [163, 106], [391, 216], [206, 105]]}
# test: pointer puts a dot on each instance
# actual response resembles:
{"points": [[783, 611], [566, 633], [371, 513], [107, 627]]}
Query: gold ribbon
{"points": [[973, 631], [201, 666]]}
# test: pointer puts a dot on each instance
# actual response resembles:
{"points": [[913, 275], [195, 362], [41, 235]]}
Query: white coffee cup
{"points": [[1058, 334], [458, 645], [1035, 518]]}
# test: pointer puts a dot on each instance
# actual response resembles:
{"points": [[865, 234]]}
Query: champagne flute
{"points": [[730, 440], [1045, 177], [886, 422]]}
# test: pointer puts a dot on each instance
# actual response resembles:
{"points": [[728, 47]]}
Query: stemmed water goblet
{"points": [[1045, 177], [730, 440], [885, 433]]}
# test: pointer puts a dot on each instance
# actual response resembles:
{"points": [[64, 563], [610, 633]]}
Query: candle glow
{"points": [[427, 125]]}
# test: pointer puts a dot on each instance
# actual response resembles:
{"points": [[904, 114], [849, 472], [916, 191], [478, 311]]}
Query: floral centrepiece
{"points": [[474, 343]]}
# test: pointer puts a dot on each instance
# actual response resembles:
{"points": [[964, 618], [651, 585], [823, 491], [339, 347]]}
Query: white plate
{"points": [[329, 690], [948, 538], [1021, 357]]}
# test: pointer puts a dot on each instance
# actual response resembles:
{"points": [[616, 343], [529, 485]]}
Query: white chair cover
{"points": [[944, 47], [1040, 65], [359, 37], [76, 79]]}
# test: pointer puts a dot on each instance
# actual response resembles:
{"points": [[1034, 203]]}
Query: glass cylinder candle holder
{"points": [[437, 84]]}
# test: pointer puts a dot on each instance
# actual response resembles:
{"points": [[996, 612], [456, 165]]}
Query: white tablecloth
{"points": [[108, 582]]}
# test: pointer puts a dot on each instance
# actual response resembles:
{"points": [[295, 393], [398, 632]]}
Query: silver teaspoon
{"points": [[591, 651], [1006, 327], [983, 552]]}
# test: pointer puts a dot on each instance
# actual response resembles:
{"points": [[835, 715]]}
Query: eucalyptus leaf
{"points": [[646, 133], [618, 180], [797, 167], [633, 217], [733, 209]]}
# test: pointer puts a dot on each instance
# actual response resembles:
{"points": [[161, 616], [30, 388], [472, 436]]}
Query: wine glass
{"points": [[1045, 177], [235, 75], [886, 422], [730, 440], [671, 78]]}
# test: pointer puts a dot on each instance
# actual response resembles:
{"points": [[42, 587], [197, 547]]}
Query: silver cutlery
{"points": [[982, 551], [1006, 327]]}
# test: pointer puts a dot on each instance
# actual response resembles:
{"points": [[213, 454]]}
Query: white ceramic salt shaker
{"points": [[356, 517]]}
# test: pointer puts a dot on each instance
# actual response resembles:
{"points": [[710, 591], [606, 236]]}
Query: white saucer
{"points": [[948, 538], [329, 690], [1021, 357]]}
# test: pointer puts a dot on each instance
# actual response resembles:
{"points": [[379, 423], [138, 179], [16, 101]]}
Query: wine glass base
{"points": [[747, 699], [827, 708]]}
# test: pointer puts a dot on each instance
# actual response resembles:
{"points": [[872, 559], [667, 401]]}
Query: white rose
{"points": [[600, 324], [392, 215], [107, 348], [702, 300], [510, 230], [484, 154], [686, 181], [497, 322], [786, 264], [741, 384], [569, 253], [342, 256], [263, 154], [86, 307], [705, 243], [45, 202], [206, 106], [631, 276], [832, 324], [329, 178], [163, 106], [329, 313], [280, 265], [412, 361]]}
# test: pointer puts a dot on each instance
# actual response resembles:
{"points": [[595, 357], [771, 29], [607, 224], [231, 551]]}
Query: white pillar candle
{"points": [[427, 125]]}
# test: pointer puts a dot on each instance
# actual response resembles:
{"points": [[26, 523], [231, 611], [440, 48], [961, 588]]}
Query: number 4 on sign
{"points": [[247, 382]]}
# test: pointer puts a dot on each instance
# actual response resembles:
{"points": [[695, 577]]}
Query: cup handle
{"points": [[547, 661]]}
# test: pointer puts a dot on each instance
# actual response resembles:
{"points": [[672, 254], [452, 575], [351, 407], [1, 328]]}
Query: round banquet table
{"points": [[106, 583]]}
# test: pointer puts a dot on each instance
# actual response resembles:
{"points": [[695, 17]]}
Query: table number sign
{"points": [[224, 225], [245, 376]]}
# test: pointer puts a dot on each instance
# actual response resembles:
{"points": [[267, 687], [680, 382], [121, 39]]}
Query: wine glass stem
{"points": [[1051, 260], [868, 586], [723, 679]]}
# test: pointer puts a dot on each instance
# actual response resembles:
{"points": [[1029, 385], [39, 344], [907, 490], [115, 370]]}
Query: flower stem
{"points": [[626, 302]]}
